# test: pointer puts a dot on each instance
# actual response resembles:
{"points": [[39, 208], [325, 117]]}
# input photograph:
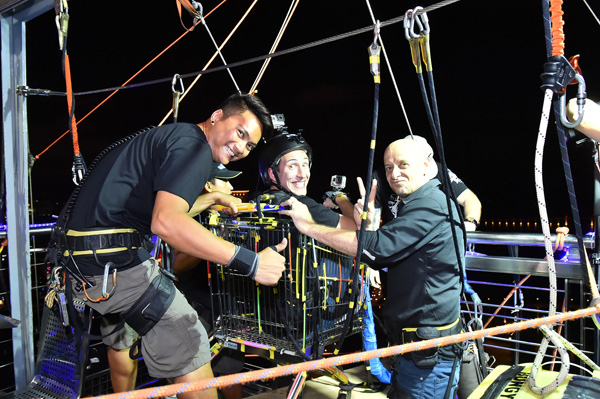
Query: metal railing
{"points": [[493, 271]]}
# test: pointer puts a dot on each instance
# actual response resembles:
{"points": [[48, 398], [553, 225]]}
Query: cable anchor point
{"points": [[374, 51]]}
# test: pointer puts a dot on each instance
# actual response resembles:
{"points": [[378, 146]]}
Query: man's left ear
{"points": [[217, 115]]}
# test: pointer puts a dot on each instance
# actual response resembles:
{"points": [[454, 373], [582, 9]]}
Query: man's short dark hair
{"points": [[239, 103]]}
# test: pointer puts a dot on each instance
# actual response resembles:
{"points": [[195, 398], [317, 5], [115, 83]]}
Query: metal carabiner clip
{"points": [[374, 50], [581, 95], [420, 17], [176, 95], [413, 42]]}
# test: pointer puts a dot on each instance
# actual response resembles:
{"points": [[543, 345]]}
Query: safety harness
{"points": [[67, 245]]}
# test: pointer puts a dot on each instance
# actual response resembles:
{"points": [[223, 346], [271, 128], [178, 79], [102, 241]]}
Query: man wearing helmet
{"points": [[284, 164]]}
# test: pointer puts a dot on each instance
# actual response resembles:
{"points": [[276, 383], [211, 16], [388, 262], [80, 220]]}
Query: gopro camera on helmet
{"points": [[338, 182], [278, 122]]}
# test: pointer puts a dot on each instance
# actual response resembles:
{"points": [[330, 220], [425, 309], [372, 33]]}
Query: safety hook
{"points": [[420, 17], [413, 42], [374, 51], [376, 30], [61, 8], [176, 95], [200, 10], [408, 20], [581, 95]]}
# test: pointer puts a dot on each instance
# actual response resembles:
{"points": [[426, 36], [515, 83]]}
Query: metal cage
{"points": [[304, 312]]}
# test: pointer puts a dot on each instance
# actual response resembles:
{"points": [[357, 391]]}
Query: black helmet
{"points": [[276, 148]]}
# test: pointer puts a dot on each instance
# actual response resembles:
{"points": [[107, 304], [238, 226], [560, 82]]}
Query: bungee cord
{"points": [[421, 53], [374, 63]]}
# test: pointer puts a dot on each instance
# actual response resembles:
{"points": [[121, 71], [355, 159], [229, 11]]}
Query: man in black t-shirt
{"points": [[151, 183]]}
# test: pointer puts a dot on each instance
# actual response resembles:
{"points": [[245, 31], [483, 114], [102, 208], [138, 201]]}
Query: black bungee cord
{"points": [[374, 51]]}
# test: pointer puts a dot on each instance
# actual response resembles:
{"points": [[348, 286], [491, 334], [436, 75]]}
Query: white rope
{"points": [[591, 11], [220, 53], [539, 189], [286, 21], [387, 62]]}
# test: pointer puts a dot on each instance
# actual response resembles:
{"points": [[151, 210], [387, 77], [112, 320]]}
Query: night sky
{"points": [[487, 58]]}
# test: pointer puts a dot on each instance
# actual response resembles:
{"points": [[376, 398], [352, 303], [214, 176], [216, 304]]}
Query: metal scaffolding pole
{"points": [[14, 112]]}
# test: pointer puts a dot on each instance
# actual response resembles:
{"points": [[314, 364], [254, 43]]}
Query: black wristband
{"points": [[244, 261], [472, 220]]}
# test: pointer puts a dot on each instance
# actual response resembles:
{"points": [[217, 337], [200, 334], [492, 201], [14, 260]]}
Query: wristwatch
{"points": [[472, 220]]}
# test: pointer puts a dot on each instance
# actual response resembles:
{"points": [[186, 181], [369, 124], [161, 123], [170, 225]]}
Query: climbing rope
{"points": [[552, 82], [313, 365]]}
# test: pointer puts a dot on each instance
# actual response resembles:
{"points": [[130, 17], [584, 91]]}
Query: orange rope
{"points": [[126, 82], [291, 369], [558, 35], [506, 299], [70, 105]]}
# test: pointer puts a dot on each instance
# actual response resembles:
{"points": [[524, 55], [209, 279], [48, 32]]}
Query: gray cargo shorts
{"points": [[175, 346]]}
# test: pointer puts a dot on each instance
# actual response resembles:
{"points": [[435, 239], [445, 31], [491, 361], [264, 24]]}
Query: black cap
{"points": [[219, 171]]}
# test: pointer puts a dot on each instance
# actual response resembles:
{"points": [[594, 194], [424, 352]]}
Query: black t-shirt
{"points": [[418, 250], [387, 200], [121, 189]]}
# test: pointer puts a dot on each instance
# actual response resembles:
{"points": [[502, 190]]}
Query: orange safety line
{"points": [[558, 35], [70, 105], [506, 299], [291, 369], [126, 82]]}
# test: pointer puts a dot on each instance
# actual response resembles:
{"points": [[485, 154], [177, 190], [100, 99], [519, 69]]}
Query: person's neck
{"points": [[205, 127]]}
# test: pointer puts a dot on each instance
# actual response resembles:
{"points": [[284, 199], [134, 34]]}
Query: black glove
{"points": [[332, 195]]}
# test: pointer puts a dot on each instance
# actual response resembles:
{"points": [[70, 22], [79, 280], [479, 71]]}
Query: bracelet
{"points": [[472, 220], [244, 261]]}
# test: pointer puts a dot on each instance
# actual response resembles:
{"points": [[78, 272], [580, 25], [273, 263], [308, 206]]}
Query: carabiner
{"points": [[176, 95], [408, 24], [374, 50], [177, 77], [414, 42], [107, 267], [422, 21], [581, 95]]}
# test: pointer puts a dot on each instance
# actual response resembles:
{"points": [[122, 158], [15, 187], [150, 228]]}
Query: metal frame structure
{"points": [[16, 158]]}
